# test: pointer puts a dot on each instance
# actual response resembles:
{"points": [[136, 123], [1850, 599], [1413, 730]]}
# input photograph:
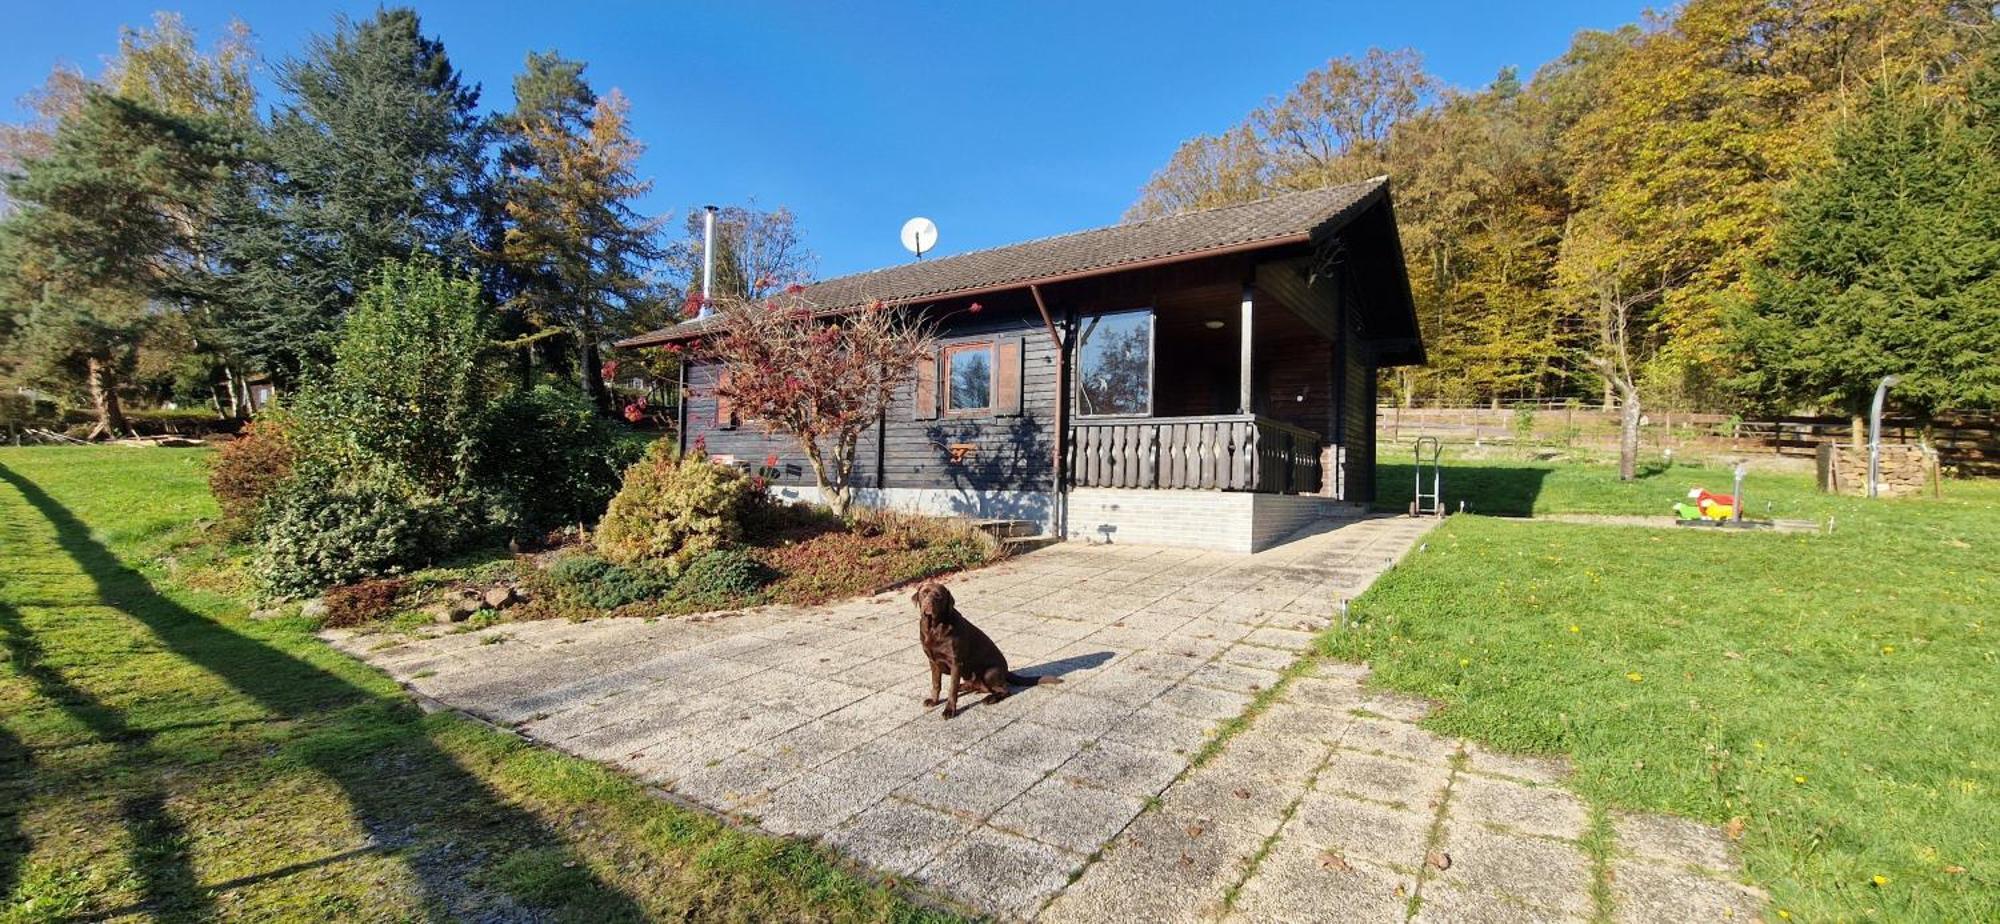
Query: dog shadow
{"points": [[1067, 665]]}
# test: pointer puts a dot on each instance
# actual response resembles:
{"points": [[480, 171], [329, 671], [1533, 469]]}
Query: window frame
{"points": [[1152, 363], [946, 379]]}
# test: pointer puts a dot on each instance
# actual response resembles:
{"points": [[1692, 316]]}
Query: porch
{"points": [[1222, 452]]}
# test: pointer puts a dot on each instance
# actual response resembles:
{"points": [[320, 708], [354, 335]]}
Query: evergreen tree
{"points": [[101, 240], [377, 155], [1888, 261], [579, 253]]}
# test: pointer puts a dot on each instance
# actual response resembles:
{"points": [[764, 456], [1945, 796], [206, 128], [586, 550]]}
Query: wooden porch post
{"points": [[1243, 366]]}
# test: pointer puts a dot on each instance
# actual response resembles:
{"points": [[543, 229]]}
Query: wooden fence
{"points": [[1968, 441]]}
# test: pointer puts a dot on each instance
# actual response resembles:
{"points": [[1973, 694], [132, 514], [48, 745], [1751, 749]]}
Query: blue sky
{"points": [[1000, 121]]}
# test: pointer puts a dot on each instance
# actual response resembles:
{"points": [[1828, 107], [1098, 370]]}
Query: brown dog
{"points": [[955, 646]]}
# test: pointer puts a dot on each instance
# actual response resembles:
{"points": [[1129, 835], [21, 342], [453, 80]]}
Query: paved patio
{"points": [[1075, 802]]}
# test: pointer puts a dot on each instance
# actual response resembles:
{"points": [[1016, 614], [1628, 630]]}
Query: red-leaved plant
{"points": [[821, 377]]}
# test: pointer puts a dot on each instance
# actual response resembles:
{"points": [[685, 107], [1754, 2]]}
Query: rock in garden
{"points": [[314, 608], [500, 597]]}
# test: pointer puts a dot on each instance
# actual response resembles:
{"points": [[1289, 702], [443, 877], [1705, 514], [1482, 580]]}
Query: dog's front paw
{"points": [[930, 701], [949, 712]]}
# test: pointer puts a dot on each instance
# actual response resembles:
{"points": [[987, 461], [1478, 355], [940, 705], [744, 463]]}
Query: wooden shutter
{"points": [[1007, 376], [725, 409], [926, 400]]}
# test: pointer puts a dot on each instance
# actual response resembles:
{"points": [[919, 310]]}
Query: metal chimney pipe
{"points": [[1875, 436], [707, 255]]}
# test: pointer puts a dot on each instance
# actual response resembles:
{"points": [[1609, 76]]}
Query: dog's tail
{"points": [[1025, 680]]}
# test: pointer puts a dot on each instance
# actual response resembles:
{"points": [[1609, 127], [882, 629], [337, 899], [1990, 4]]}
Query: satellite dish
{"points": [[919, 235]]}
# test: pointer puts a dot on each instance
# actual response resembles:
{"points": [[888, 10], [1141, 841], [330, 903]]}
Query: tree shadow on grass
{"points": [[15, 766], [395, 779], [167, 882], [1500, 490]]}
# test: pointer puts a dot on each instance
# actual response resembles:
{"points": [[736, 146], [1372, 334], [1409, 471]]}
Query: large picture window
{"points": [[968, 371], [1114, 364]]}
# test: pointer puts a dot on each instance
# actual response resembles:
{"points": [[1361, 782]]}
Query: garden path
{"points": [[1101, 798]]}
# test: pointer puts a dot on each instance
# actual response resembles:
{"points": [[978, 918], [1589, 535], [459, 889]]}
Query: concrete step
{"points": [[1008, 529], [1015, 545]]}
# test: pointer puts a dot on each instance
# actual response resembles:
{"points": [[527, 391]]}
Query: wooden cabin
{"points": [[1206, 379]]}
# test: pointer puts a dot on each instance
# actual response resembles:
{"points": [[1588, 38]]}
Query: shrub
{"points": [[721, 578], [674, 509], [20, 412], [246, 470], [954, 554], [575, 569], [363, 603], [598, 584], [316, 535], [549, 460], [913, 532], [773, 521], [410, 384], [1524, 423], [387, 437]]}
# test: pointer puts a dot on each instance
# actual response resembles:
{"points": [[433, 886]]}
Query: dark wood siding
{"points": [[1359, 419], [1010, 452], [1292, 369]]}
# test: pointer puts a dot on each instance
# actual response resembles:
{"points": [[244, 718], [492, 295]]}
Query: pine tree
{"points": [[580, 253], [102, 239], [1888, 261], [376, 155]]}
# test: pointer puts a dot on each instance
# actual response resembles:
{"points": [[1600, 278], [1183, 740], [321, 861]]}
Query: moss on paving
{"points": [[1836, 693], [163, 756]]}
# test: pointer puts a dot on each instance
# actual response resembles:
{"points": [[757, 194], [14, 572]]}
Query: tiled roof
{"points": [[1292, 216]]}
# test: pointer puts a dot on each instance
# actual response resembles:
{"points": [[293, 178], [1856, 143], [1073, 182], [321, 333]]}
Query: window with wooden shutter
{"points": [[1007, 355], [725, 409], [967, 372], [926, 398]]}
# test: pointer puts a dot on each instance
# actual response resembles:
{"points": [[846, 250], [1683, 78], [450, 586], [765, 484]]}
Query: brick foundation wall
{"points": [[1228, 521]]}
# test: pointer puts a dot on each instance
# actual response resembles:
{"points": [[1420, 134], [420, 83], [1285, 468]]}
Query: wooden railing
{"points": [[1231, 452]]}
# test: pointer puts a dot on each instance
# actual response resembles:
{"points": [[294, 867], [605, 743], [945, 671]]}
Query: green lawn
{"points": [[1835, 692], [1501, 487], [162, 756]]}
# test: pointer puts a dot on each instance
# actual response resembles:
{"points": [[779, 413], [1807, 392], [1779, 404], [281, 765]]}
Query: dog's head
{"points": [[933, 600]]}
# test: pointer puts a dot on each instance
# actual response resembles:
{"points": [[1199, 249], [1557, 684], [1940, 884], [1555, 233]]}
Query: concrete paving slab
{"points": [[1141, 772], [898, 837], [1645, 894], [1553, 876], [1400, 739], [1354, 828], [1300, 880], [1165, 867], [1385, 779], [1548, 811], [1000, 872], [1067, 814], [968, 787], [1677, 842]]}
